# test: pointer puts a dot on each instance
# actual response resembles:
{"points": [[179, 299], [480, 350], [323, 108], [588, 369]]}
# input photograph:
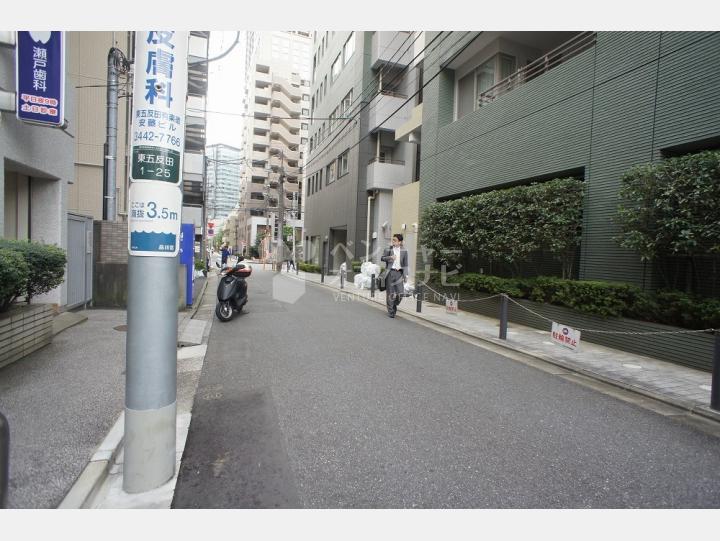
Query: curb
{"points": [[90, 480], [702, 411]]}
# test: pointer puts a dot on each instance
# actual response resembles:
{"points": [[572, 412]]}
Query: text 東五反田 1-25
{"points": [[153, 137]]}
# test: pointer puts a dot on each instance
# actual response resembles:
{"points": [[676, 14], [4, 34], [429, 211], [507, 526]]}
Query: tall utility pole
{"points": [[116, 64], [155, 198], [281, 213]]}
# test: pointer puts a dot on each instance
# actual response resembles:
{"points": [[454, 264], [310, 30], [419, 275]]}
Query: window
{"points": [[332, 121], [306, 97], [326, 85], [349, 48], [303, 140], [347, 100], [343, 163], [323, 132], [330, 173], [481, 79], [306, 112], [312, 103], [336, 67], [304, 126]]}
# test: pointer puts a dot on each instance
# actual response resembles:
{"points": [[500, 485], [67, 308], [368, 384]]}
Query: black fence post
{"points": [[418, 297], [503, 316], [715, 385], [372, 286], [4, 460]]}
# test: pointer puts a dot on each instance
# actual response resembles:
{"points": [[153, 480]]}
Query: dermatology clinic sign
{"points": [[158, 140], [40, 77]]}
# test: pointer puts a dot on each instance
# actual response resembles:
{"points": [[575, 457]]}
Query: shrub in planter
{"points": [[46, 265], [14, 274]]}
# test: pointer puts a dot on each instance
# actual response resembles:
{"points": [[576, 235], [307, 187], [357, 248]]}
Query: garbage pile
{"points": [[367, 269]]}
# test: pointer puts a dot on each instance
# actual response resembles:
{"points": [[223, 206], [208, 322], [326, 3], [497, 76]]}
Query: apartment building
{"points": [[276, 131], [223, 180], [508, 108], [363, 92]]}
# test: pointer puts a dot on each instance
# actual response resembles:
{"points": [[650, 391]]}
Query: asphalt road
{"points": [[60, 402], [324, 403]]}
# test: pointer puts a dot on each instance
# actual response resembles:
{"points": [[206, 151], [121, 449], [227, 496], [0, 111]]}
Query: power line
{"points": [[365, 92], [321, 152], [418, 91]]}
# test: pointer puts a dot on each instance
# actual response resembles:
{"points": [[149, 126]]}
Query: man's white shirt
{"points": [[396, 261]]}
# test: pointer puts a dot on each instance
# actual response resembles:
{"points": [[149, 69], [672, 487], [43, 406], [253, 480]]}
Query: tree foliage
{"points": [[672, 207], [508, 225], [45, 264]]}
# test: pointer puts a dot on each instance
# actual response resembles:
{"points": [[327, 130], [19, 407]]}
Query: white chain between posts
{"points": [[459, 299], [583, 330]]}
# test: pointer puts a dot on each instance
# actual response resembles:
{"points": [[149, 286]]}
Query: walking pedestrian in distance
{"points": [[224, 254], [396, 263]]}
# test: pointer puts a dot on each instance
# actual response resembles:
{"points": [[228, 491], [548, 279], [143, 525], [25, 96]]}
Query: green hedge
{"points": [[607, 299], [309, 267], [14, 273], [45, 266], [508, 225]]}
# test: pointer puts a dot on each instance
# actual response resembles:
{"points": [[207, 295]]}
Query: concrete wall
{"points": [[405, 205]]}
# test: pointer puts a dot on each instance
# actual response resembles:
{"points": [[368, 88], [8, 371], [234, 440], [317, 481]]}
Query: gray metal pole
{"points": [[418, 296], [4, 460], [503, 316], [372, 285], [715, 385], [116, 61], [151, 377], [281, 213], [153, 297]]}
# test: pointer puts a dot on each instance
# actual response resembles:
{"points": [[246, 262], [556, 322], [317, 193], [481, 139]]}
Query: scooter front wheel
{"points": [[224, 311]]}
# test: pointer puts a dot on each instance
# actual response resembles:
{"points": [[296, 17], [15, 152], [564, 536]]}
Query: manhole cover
{"points": [[121, 328]]}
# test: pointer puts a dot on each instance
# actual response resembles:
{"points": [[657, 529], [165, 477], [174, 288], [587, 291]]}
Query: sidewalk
{"points": [[676, 385], [99, 486]]}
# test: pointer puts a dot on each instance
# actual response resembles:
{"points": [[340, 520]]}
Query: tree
{"points": [[672, 208]]}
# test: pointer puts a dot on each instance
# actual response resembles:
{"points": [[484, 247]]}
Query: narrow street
{"points": [[328, 403]]}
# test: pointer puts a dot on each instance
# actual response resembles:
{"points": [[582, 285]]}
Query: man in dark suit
{"points": [[396, 264]]}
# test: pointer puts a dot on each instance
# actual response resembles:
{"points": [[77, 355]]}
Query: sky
{"points": [[226, 87]]}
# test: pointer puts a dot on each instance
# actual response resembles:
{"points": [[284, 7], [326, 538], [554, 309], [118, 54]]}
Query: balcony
{"points": [[385, 105], [279, 131], [281, 100], [262, 79], [386, 174], [390, 48], [570, 49]]}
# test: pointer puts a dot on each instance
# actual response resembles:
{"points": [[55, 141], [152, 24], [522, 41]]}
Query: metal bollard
{"points": [[4, 460], [342, 279], [418, 296], [372, 286], [503, 316], [322, 275], [715, 385]]}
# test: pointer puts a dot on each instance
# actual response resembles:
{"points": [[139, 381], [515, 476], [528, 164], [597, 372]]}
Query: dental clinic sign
{"points": [[158, 141], [40, 77]]}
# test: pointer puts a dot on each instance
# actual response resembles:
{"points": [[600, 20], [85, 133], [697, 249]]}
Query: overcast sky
{"points": [[226, 86]]}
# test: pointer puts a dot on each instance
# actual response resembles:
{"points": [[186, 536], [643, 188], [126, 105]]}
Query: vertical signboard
{"points": [[40, 77], [158, 140]]}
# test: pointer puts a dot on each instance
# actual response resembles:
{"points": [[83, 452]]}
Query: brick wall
{"points": [[23, 330]]}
